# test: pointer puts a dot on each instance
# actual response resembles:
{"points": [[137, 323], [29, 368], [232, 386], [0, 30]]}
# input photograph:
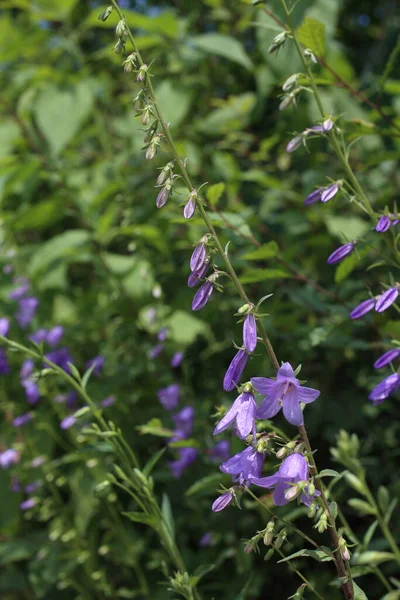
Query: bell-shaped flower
{"points": [[245, 466], [235, 370], [386, 387], [294, 469], [243, 414], [283, 392]]}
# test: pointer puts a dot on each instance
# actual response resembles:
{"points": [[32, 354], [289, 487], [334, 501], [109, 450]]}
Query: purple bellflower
{"points": [[383, 224], [184, 421], [244, 466], [250, 333], [4, 366], [186, 457], [315, 196], [61, 357], [189, 208], [222, 501], [8, 457], [329, 192], [285, 392], [202, 296], [26, 369], [235, 370], [362, 309], [387, 358], [97, 362], [295, 143], [38, 336], [386, 387], [162, 334], [176, 360], [31, 391], [54, 335], [242, 414], [221, 450], [4, 326], [26, 311], [292, 470], [198, 257], [340, 253], [22, 419], [169, 396], [386, 299], [68, 422], [27, 504], [196, 277], [30, 488]]}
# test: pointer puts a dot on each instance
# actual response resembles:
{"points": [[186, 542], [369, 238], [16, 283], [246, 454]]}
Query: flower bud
{"points": [[130, 63], [119, 47], [294, 143], [343, 549], [281, 452], [269, 533], [121, 30], [142, 72], [244, 309], [269, 554], [292, 492], [280, 539], [105, 14], [277, 42], [310, 55], [290, 82]]}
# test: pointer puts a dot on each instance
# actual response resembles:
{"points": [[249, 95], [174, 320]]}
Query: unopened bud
{"points": [[312, 509], [322, 524], [311, 489], [269, 533], [290, 82], [141, 76], [130, 63], [162, 197], [281, 452], [343, 549], [105, 14], [119, 47], [327, 124], [121, 30], [277, 42], [287, 101], [280, 539], [309, 54], [244, 309], [292, 492], [269, 554]]}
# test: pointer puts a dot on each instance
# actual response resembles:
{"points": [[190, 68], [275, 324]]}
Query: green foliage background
{"points": [[77, 206]]}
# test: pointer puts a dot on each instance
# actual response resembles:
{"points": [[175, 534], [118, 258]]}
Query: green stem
{"points": [[299, 574]]}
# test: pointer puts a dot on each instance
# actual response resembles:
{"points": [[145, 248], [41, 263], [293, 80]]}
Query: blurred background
{"points": [[78, 221]]}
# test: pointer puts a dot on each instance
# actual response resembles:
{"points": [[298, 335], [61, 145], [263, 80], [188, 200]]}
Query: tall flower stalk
{"points": [[143, 77]]}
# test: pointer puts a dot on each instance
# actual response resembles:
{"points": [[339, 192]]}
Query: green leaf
{"points": [[206, 485], [64, 245], [215, 192], [329, 473], [360, 506], [358, 593], [155, 427], [174, 101], [164, 23], [200, 572], [9, 134], [40, 215], [318, 555], [168, 517], [60, 112], [265, 251], [149, 466], [184, 328], [311, 34], [223, 45], [350, 228], [369, 534], [139, 517], [383, 499], [373, 557], [254, 275], [234, 114], [355, 483], [349, 264]]}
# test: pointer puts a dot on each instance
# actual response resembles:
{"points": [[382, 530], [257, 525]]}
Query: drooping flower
{"points": [[97, 362], [362, 309], [4, 326], [244, 466], [329, 192], [176, 359], [315, 196], [54, 335], [27, 504], [294, 469], [198, 257], [22, 419], [184, 421], [387, 358], [235, 370], [189, 208], [195, 278], [386, 387], [285, 392], [169, 396], [341, 253], [243, 414], [68, 422], [155, 351], [250, 333], [222, 501], [221, 450], [383, 224], [294, 143], [4, 366], [8, 457], [107, 402], [202, 296], [386, 299], [186, 457], [31, 390], [26, 311]]}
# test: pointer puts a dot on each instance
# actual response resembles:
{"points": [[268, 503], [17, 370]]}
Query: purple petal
{"points": [[222, 502], [279, 494], [386, 299], [307, 395], [291, 408], [228, 419], [4, 326], [268, 408], [189, 208], [384, 388], [340, 253], [202, 296], [250, 333], [235, 370], [294, 143], [198, 257], [387, 358], [245, 420], [362, 309], [383, 224], [329, 192], [294, 468], [195, 278], [265, 482], [263, 385], [286, 371], [313, 197]]}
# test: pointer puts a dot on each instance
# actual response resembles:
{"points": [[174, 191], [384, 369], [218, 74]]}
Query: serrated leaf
{"points": [[311, 34], [265, 251], [215, 192]]}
